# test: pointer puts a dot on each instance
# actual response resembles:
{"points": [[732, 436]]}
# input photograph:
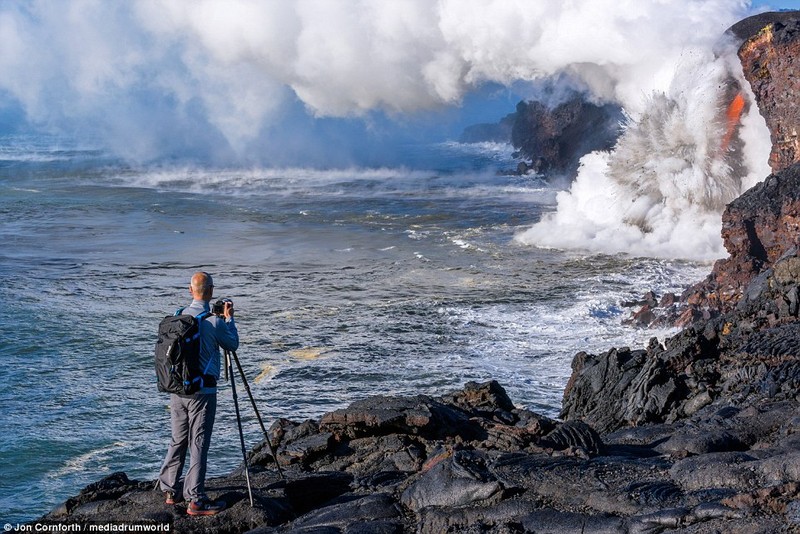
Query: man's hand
{"points": [[228, 311]]}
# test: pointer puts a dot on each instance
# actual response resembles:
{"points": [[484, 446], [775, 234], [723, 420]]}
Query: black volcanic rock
{"points": [[731, 465], [751, 352], [747, 28], [554, 139]]}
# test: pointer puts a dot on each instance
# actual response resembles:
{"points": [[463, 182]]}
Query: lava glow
{"points": [[733, 115]]}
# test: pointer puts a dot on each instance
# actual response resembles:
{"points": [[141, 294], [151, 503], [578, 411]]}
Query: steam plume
{"points": [[259, 82], [662, 190], [154, 71]]}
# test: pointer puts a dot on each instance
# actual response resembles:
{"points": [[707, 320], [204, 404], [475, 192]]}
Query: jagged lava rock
{"points": [[758, 228], [730, 469], [751, 351], [555, 138]]}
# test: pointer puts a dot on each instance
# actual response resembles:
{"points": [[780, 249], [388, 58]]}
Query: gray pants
{"points": [[192, 420]]}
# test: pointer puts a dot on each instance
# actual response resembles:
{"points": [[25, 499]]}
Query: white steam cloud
{"points": [[223, 79], [662, 190], [232, 65]]}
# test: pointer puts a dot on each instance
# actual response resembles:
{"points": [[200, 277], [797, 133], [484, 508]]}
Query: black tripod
{"points": [[230, 357]]}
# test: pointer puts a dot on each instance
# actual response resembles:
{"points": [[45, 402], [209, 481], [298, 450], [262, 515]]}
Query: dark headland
{"points": [[700, 434]]}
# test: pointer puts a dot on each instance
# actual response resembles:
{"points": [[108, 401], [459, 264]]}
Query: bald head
{"points": [[202, 286]]}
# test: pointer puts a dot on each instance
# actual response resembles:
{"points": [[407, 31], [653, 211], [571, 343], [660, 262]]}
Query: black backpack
{"points": [[178, 355]]}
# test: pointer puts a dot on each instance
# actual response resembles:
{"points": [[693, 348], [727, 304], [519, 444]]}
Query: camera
{"points": [[219, 307]]}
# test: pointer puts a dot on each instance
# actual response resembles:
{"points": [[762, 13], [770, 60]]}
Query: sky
{"points": [[778, 4]]}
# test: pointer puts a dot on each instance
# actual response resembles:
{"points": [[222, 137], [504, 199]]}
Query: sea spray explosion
{"points": [[662, 189]]}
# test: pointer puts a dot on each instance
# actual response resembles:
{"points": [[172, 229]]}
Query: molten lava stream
{"points": [[734, 114]]}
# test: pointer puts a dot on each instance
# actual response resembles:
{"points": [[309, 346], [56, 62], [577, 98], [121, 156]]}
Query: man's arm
{"points": [[227, 335]]}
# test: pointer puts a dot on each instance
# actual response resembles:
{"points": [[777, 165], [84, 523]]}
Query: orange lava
{"points": [[734, 113]]}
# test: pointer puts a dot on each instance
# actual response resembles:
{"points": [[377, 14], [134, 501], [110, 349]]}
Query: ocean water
{"points": [[347, 283]]}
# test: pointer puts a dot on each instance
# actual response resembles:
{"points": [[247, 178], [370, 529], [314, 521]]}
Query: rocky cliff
{"points": [[770, 60], [762, 224], [551, 140]]}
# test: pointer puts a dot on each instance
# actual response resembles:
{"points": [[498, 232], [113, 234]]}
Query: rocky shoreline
{"points": [[698, 434], [470, 461]]}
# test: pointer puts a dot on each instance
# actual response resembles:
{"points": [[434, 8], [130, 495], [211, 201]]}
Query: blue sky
{"points": [[778, 4]]}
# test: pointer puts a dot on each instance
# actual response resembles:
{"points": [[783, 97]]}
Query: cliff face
{"points": [[770, 60], [746, 351], [555, 139], [758, 228], [762, 224], [551, 140]]}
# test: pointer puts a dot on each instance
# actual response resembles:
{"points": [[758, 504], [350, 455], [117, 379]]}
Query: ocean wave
{"points": [[491, 149], [357, 182], [249, 181], [96, 459], [529, 347], [27, 148]]}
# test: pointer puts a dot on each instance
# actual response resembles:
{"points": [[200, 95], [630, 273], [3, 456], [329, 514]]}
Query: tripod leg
{"points": [[227, 363], [241, 434], [258, 415]]}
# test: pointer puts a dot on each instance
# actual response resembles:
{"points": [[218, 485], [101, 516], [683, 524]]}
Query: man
{"points": [[192, 416]]}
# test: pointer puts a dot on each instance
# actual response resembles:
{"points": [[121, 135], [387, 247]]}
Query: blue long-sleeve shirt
{"points": [[215, 332]]}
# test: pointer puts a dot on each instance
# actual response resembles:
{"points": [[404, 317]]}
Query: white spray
{"points": [[662, 190]]}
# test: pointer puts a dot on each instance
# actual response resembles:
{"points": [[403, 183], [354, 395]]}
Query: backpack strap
{"points": [[202, 316]]}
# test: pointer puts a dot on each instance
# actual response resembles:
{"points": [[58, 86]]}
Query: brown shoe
{"points": [[205, 507]]}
